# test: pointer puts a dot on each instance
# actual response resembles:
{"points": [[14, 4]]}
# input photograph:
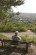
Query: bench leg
{"points": [[27, 48]]}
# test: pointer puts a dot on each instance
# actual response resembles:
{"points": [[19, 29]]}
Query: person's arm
{"points": [[19, 38]]}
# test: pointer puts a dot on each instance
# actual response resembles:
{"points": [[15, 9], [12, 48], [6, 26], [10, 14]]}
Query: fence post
{"points": [[27, 45], [2, 42]]}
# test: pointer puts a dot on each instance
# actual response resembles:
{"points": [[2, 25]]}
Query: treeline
{"points": [[14, 26]]}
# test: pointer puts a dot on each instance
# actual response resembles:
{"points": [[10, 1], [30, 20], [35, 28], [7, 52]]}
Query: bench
{"points": [[4, 43]]}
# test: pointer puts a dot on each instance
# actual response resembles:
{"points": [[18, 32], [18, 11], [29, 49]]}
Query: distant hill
{"points": [[24, 17], [31, 17]]}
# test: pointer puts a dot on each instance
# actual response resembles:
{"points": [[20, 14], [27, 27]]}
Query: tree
{"points": [[6, 4]]}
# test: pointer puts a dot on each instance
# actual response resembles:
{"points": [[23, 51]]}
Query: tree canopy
{"points": [[5, 5], [8, 3]]}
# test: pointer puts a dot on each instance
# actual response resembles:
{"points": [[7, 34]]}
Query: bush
{"points": [[28, 38], [34, 40], [33, 28], [22, 29], [16, 26]]}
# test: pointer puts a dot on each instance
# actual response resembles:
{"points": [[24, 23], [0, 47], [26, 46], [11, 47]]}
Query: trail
{"points": [[10, 34], [33, 50]]}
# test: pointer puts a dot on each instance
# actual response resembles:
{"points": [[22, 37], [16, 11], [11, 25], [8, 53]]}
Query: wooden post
{"points": [[27, 45], [2, 42]]}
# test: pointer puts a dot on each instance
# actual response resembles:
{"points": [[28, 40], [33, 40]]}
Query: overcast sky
{"points": [[28, 7]]}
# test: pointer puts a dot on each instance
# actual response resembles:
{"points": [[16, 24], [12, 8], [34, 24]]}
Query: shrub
{"points": [[13, 26], [34, 40], [28, 38], [33, 28], [21, 29]]}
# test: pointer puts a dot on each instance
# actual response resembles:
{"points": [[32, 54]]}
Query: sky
{"points": [[28, 7]]}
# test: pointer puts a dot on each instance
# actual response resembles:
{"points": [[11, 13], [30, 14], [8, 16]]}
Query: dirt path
{"points": [[10, 34], [34, 50]]}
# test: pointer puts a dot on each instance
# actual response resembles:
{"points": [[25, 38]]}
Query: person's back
{"points": [[16, 38]]}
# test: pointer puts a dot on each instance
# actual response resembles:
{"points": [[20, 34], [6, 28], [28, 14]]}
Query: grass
{"points": [[28, 38], [3, 36]]}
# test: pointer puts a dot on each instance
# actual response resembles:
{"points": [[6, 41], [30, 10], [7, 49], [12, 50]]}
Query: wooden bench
{"points": [[4, 43]]}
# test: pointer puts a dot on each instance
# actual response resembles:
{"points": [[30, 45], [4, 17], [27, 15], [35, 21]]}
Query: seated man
{"points": [[16, 38]]}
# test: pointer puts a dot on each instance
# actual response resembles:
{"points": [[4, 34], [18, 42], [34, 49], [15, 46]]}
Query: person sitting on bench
{"points": [[16, 38]]}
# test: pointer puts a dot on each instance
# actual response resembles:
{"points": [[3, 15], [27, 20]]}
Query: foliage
{"points": [[6, 18], [3, 37], [12, 27], [34, 40], [28, 38], [5, 5], [33, 27], [8, 3], [16, 26]]}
